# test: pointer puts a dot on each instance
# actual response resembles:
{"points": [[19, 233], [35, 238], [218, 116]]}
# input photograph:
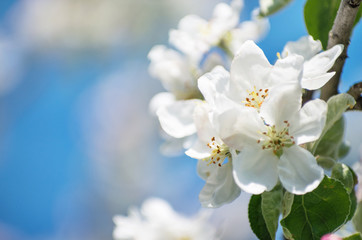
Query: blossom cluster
{"points": [[156, 220], [239, 115]]}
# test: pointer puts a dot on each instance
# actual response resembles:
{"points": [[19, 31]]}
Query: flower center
{"points": [[277, 140], [256, 98], [218, 152]]}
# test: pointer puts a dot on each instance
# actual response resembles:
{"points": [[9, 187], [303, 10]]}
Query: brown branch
{"points": [[340, 34], [356, 92]]}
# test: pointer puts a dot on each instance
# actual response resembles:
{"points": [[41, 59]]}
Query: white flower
{"points": [[178, 73], [316, 63], [220, 187], [269, 141], [158, 221], [250, 80], [256, 98], [196, 35]]}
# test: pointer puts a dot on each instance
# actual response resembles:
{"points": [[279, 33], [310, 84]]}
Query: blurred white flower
{"points": [[316, 63], [177, 72], [156, 220], [195, 35]]}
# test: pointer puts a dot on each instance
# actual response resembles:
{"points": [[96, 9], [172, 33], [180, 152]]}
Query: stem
{"points": [[340, 34]]}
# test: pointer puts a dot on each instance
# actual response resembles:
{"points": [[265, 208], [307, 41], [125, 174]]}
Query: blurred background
{"points": [[77, 142]]}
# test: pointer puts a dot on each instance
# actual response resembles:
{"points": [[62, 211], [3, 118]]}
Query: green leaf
{"points": [[287, 207], [330, 143], [271, 206], [357, 218], [343, 173], [256, 219], [356, 236], [337, 105], [319, 212], [343, 149], [319, 16], [270, 7], [352, 211], [326, 162]]}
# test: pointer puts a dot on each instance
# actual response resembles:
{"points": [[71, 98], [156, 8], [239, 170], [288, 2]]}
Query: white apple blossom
{"points": [[257, 98], [250, 79], [220, 187], [195, 35], [269, 139], [156, 220], [177, 72], [316, 63]]}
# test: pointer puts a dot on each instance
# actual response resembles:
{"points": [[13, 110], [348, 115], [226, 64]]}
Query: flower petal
{"points": [[213, 82], [159, 100], [220, 187], [255, 170], [194, 48], [317, 81], [238, 127], [176, 119], [286, 70], [283, 103], [298, 170], [250, 67], [307, 125], [305, 46], [322, 62]]}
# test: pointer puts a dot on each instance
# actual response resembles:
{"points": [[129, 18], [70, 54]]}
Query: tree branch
{"points": [[340, 34]]}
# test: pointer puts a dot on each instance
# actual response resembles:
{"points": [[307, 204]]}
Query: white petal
{"points": [[307, 125], [298, 170], [205, 130], [283, 103], [213, 82], [157, 210], [305, 46], [177, 119], [173, 69], [194, 48], [255, 170], [250, 67], [317, 81], [192, 24], [220, 187], [199, 151], [322, 62], [286, 70], [239, 127], [159, 100]]}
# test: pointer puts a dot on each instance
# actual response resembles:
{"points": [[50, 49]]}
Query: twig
{"points": [[340, 34]]}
